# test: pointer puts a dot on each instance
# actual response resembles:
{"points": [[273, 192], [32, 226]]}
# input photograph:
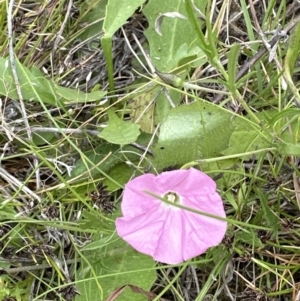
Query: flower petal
{"points": [[204, 232], [142, 232], [169, 234], [187, 235], [170, 248], [157, 235], [191, 182], [135, 200], [211, 203]]}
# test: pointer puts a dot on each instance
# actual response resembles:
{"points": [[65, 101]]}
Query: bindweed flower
{"points": [[167, 233]]}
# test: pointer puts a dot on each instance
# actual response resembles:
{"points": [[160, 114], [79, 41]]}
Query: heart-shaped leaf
{"points": [[119, 131], [115, 264], [174, 32], [190, 132]]}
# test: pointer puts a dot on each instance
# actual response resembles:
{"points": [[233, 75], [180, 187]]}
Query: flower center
{"points": [[172, 197]]}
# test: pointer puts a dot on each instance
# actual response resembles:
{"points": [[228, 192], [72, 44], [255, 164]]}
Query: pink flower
{"points": [[167, 233]]}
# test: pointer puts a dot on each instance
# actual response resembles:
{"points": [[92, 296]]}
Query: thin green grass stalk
{"points": [[212, 46], [195, 163], [106, 43], [23, 40], [48, 164], [202, 41], [291, 58], [254, 46], [157, 298], [3, 26], [269, 12], [209, 48], [171, 286], [256, 171], [29, 176], [85, 259], [211, 52], [275, 81], [243, 174], [280, 94], [271, 22], [216, 272], [271, 268], [29, 59], [246, 107], [86, 10], [281, 12], [281, 292], [232, 66]]}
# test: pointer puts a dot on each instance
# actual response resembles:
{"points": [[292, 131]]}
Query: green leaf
{"points": [[285, 127], [100, 243], [34, 86], [93, 13], [77, 96], [104, 157], [121, 173], [209, 50], [291, 58], [289, 149], [249, 238], [190, 132], [94, 220], [162, 105], [143, 109], [272, 220], [232, 66], [128, 295], [151, 107], [119, 131], [194, 57], [117, 13], [115, 264], [248, 136], [42, 138], [285, 124], [292, 52], [31, 87], [67, 95], [175, 33]]}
